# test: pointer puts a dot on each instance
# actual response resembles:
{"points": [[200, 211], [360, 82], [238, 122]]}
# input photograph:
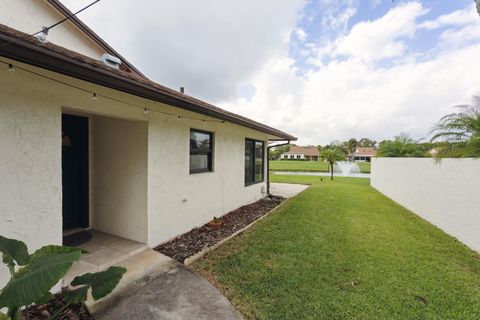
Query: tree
{"points": [[459, 132], [332, 156], [367, 143], [276, 152], [337, 145], [401, 147], [351, 145]]}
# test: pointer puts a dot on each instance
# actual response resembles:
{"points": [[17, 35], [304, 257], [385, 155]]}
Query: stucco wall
{"points": [[120, 177], [30, 166], [178, 200], [40, 13], [30, 160], [446, 193]]}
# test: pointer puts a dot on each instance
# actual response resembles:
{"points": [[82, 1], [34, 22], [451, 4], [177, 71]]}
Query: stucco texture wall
{"points": [[30, 165], [171, 202], [445, 193], [178, 200], [120, 177]]}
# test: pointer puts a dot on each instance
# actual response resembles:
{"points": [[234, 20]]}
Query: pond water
{"points": [[324, 174]]}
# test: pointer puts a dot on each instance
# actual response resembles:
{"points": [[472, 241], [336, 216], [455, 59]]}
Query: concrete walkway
{"points": [[176, 294], [286, 190]]}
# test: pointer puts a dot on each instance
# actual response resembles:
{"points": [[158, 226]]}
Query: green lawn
{"points": [[293, 165], [341, 250]]}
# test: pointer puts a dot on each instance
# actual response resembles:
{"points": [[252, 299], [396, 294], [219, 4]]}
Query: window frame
{"points": [[252, 162], [209, 153]]}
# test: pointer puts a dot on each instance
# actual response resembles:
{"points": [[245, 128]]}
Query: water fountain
{"points": [[346, 167]]}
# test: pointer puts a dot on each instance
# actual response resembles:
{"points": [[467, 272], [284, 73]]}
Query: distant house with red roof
{"points": [[364, 154], [301, 153]]}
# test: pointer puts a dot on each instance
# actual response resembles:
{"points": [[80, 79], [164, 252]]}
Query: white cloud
{"points": [[350, 98], [219, 48], [356, 98], [381, 38], [301, 34], [178, 43], [455, 18]]}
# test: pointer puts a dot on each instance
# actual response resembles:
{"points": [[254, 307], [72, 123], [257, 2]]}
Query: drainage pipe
{"points": [[268, 162]]}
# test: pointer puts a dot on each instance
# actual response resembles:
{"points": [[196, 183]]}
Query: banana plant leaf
{"points": [[44, 269], [102, 284], [13, 251]]}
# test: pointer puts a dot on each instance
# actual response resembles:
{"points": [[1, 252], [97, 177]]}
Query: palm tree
{"points": [[459, 132], [401, 147], [332, 156]]}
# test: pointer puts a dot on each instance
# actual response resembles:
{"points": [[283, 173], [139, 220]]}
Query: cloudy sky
{"points": [[322, 70]]}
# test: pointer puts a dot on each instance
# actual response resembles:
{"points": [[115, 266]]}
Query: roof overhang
{"points": [[24, 49]]}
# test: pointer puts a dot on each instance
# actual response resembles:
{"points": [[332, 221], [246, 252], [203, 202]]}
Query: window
{"points": [[254, 161], [285, 156], [292, 157], [201, 151], [299, 156]]}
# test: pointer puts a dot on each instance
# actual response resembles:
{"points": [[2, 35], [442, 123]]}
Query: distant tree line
{"points": [[347, 147], [456, 135]]}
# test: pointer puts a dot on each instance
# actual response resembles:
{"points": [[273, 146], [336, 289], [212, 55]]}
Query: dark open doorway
{"points": [[75, 172]]}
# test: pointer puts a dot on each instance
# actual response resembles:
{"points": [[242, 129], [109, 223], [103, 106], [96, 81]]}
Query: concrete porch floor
{"points": [[104, 250], [154, 286]]}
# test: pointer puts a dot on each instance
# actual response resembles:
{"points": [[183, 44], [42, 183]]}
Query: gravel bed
{"points": [[194, 241], [56, 304]]}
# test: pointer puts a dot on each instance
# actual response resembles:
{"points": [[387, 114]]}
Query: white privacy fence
{"points": [[445, 193]]}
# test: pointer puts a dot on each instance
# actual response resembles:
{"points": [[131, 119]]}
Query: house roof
{"points": [[25, 48], [92, 35], [307, 151], [365, 152]]}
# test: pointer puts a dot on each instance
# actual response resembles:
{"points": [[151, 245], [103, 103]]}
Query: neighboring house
{"points": [[363, 154], [86, 144], [301, 153]]}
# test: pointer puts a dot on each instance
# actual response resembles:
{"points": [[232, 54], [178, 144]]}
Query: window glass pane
{"points": [[258, 161], [199, 162], [201, 151], [248, 161], [200, 140]]}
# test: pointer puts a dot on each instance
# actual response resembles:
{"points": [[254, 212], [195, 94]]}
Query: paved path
{"points": [[174, 295], [286, 190]]}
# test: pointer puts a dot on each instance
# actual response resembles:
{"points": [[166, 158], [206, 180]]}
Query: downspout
{"points": [[268, 163]]}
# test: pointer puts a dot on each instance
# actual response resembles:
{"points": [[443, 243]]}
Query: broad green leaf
{"points": [[13, 250], [43, 300], [45, 269], [76, 295], [50, 250], [102, 283]]}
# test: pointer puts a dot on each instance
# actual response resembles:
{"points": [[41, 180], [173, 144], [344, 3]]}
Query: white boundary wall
{"points": [[445, 193]]}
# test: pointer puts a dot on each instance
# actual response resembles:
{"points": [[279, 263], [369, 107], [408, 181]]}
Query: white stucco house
{"points": [[301, 153], [92, 144]]}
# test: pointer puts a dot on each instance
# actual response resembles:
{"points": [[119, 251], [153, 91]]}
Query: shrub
{"points": [[33, 276]]}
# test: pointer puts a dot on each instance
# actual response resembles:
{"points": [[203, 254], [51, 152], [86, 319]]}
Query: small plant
{"points": [[33, 276], [215, 223]]}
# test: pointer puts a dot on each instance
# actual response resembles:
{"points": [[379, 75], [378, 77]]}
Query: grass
{"points": [[309, 166], [341, 250]]}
